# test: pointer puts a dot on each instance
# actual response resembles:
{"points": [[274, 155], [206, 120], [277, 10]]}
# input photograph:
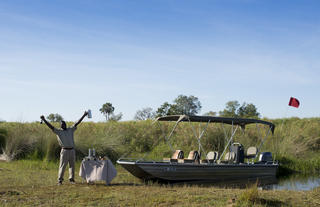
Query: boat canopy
{"points": [[242, 122]]}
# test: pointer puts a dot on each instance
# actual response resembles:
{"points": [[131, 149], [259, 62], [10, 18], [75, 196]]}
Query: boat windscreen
{"points": [[212, 119]]}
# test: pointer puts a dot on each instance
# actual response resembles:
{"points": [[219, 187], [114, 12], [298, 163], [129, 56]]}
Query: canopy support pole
{"points": [[168, 137], [200, 136], [264, 139], [231, 138]]}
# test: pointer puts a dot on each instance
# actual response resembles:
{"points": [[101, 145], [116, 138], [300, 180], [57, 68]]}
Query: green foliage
{"points": [[295, 144], [107, 109], [233, 109], [188, 105], [248, 111], [214, 140], [55, 117], [290, 165], [166, 109], [19, 140], [249, 197]]}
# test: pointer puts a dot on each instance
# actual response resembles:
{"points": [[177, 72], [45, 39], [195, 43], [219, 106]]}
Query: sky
{"points": [[69, 56]]}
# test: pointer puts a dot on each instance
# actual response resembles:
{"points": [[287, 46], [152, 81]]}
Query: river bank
{"points": [[29, 183]]}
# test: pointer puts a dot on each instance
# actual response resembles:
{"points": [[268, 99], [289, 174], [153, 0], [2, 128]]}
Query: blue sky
{"points": [[68, 56]]}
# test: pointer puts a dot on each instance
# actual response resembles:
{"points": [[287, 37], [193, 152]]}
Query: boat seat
{"points": [[229, 157], [193, 157], [178, 155], [251, 152], [211, 157]]}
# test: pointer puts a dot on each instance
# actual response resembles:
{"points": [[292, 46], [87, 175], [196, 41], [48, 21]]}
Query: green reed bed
{"points": [[295, 143]]}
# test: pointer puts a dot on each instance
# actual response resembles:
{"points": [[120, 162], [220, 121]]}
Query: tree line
{"points": [[188, 105]]}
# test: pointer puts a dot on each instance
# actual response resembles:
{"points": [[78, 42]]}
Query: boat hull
{"points": [[200, 173]]}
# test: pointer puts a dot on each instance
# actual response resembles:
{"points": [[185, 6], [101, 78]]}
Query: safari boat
{"points": [[232, 165]]}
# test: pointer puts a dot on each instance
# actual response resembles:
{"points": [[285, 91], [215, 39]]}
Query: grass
{"points": [[291, 165], [33, 183], [295, 143]]}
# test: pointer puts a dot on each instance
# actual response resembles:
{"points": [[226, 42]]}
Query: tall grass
{"points": [[249, 197], [3, 134], [295, 143]]}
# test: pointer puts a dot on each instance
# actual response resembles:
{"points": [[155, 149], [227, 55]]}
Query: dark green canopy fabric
{"points": [[212, 119]]}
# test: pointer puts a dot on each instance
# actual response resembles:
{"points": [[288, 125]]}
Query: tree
{"points": [[233, 109], [107, 109], [144, 114], [166, 109], [248, 111], [55, 117], [188, 105]]}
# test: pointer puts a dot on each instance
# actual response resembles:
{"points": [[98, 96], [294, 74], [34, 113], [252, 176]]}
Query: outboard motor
{"points": [[265, 157], [238, 149]]}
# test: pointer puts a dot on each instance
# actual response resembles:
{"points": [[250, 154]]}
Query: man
{"points": [[66, 141]]}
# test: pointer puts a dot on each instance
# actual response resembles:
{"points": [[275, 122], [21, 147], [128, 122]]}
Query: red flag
{"points": [[294, 102]]}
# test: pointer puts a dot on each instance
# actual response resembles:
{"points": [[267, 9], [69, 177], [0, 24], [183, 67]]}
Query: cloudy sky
{"points": [[68, 56]]}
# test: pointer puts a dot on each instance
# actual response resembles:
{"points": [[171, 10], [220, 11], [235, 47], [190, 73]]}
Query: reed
{"points": [[296, 145], [3, 134], [249, 197]]}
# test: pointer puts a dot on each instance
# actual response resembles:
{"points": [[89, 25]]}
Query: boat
{"points": [[231, 166]]}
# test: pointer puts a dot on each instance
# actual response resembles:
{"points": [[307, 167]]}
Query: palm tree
{"points": [[107, 109]]}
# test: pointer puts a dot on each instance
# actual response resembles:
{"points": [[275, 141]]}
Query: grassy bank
{"points": [[295, 143], [33, 183]]}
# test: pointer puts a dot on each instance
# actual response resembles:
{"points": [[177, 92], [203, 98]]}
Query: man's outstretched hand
{"points": [[47, 123]]}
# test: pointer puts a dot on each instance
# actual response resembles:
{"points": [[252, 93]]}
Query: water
{"points": [[295, 182]]}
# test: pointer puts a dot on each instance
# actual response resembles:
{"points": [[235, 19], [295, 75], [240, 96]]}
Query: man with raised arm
{"points": [[66, 141]]}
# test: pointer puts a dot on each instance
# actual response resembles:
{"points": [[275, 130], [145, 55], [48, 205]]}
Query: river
{"points": [[295, 182]]}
